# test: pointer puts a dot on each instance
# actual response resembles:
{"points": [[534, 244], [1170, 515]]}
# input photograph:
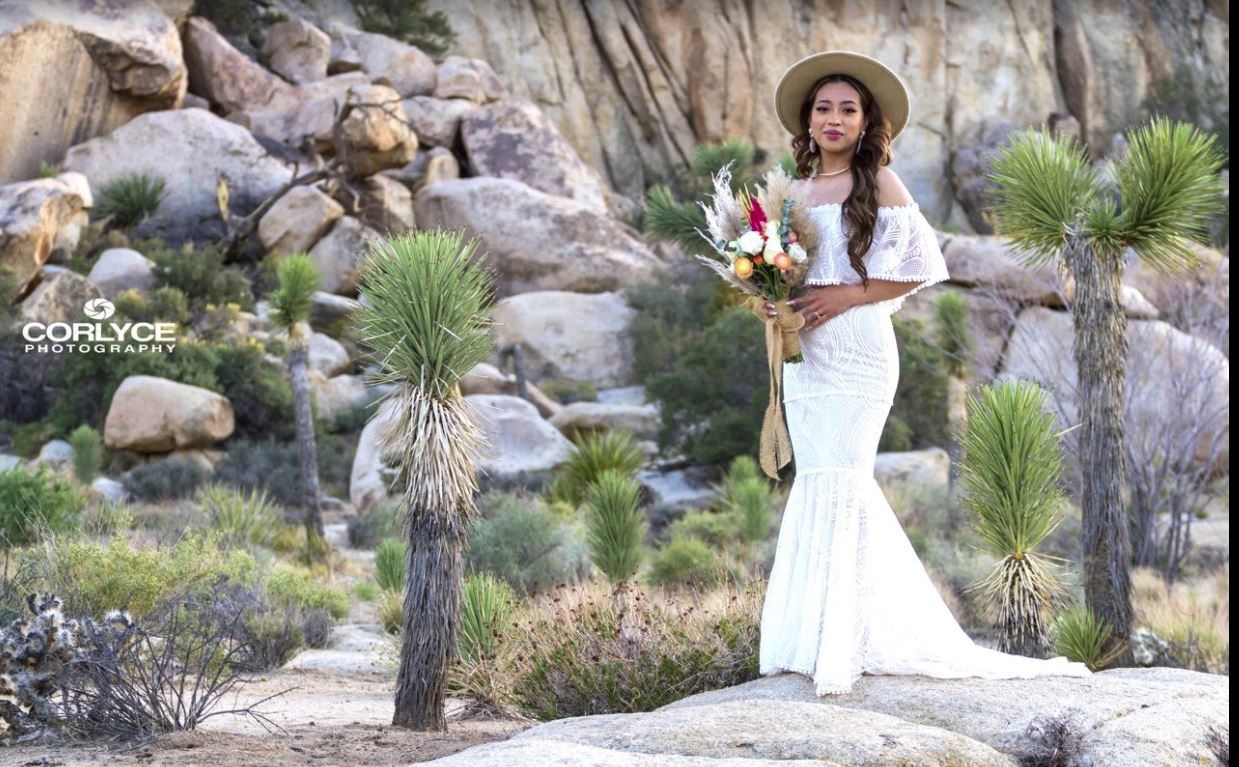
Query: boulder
{"points": [[36, 219], [988, 264], [297, 50], [514, 139], [990, 319], [376, 136], [337, 395], [112, 61], [328, 309], [306, 120], [584, 417], [108, 489], [119, 269], [57, 454], [59, 298], [192, 150], [520, 447], [970, 162], [925, 468], [339, 255], [327, 355], [485, 378], [386, 205], [679, 488], [436, 121], [570, 335], [537, 241], [297, 220], [371, 478], [154, 415], [459, 77], [437, 164], [226, 77], [406, 69]]}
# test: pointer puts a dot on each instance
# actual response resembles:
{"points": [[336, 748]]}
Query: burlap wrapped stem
{"points": [[782, 342]]}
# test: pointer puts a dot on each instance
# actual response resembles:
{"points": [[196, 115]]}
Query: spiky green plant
{"points": [[1009, 480], [680, 222], [87, 453], [615, 525], [1052, 205], [426, 321], [389, 564], [290, 311], [954, 335], [241, 518], [130, 198], [749, 500], [595, 453], [1081, 636], [485, 613]]}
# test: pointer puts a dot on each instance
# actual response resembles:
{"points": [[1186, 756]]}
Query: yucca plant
{"points": [[595, 453], [389, 557], [749, 501], [241, 518], [680, 222], [129, 199], [1082, 636], [426, 321], [290, 311], [954, 335], [1053, 205], [615, 525], [485, 613], [1009, 480], [87, 453]]}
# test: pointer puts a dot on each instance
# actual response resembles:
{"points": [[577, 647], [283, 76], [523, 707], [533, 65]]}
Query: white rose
{"points": [[797, 252], [772, 230], [773, 248], [751, 242]]}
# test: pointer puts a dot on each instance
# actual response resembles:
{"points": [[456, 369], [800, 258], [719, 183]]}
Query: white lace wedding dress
{"points": [[847, 594]]}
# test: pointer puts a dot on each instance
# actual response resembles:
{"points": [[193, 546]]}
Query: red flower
{"points": [[757, 217]]}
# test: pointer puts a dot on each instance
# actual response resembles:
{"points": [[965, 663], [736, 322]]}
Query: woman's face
{"points": [[836, 120]]}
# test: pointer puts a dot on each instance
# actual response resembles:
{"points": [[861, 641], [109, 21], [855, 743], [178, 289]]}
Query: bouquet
{"points": [[763, 242]]}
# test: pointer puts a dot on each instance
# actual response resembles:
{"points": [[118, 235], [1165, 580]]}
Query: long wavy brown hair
{"points": [[860, 209]]}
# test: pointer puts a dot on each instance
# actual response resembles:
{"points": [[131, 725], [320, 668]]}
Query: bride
{"points": [[847, 594]]}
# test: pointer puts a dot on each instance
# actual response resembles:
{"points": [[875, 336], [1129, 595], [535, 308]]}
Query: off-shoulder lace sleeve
{"points": [[905, 249]]}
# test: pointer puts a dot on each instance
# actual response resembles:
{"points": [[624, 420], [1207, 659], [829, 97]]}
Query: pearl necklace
{"points": [[832, 173]]}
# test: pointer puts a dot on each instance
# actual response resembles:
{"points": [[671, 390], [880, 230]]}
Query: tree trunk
{"points": [[428, 631], [1101, 352], [307, 451]]}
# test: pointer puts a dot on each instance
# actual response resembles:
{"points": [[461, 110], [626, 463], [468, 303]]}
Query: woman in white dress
{"points": [[847, 594]]}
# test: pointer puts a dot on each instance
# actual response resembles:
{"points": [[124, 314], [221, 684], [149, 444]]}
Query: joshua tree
{"points": [[1009, 479], [426, 321], [290, 310], [1053, 205]]}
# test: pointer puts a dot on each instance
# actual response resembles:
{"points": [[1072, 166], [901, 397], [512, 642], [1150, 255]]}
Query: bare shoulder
{"points": [[891, 190]]}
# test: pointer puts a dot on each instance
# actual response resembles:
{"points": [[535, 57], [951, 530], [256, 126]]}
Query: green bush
{"points": [[484, 615], [296, 587], [954, 334], [366, 530], [391, 611], [199, 274], [163, 305], [749, 502], [684, 561], [522, 541], [920, 408], [274, 467], [1081, 636], [706, 526], [165, 480], [129, 199], [595, 453], [567, 390], [36, 503], [87, 453], [616, 527], [408, 20], [239, 518], [389, 564]]}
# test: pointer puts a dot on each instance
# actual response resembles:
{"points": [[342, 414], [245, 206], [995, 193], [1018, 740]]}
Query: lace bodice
{"points": [[904, 249]]}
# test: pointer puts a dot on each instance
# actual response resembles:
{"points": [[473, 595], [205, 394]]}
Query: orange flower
{"points": [[783, 261], [757, 260], [742, 267]]}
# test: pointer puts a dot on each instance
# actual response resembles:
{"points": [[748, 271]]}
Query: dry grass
{"points": [[1193, 615]]}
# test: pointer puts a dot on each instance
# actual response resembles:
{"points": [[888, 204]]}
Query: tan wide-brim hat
{"points": [[887, 87]]}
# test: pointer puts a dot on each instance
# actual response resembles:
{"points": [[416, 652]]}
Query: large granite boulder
{"points": [[537, 241], [119, 269], [924, 468], [36, 219], [59, 297], [372, 476], [405, 68], [192, 150], [436, 121], [520, 447], [578, 418], [111, 62], [297, 50], [154, 415], [459, 77], [989, 264], [339, 255], [514, 139], [297, 220], [580, 336], [225, 76]]}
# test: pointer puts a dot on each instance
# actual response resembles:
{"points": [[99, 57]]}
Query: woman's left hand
{"points": [[823, 303]]}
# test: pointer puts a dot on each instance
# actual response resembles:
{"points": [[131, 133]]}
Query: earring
{"points": [[812, 145], [859, 141]]}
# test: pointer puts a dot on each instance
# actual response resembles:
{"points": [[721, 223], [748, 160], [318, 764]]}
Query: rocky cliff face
{"points": [[635, 85]]}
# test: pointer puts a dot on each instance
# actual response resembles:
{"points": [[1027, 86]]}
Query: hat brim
{"points": [[887, 88]]}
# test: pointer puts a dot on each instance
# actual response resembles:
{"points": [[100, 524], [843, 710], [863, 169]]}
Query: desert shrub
{"points": [[261, 397], [391, 611], [199, 274], [1053, 741], [709, 527], [615, 525], [684, 561], [366, 530], [273, 637], [389, 564], [568, 390], [749, 501], [407, 20], [485, 611], [519, 539], [921, 395], [239, 518], [954, 334], [106, 519], [1193, 617], [317, 625], [577, 651], [165, 480], [87, 453], [295, 587], [37, 503], [129, 199], [272, 466], [367, 591], [595, 453], [1081, 636]]}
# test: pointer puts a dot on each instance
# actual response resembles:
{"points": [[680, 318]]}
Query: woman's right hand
{"points": [[769, 307]]}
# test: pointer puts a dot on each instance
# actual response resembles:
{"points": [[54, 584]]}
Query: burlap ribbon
{"points": [[782, 342]]}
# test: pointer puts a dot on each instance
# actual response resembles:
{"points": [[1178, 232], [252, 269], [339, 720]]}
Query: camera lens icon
{"points": [[99, 308]]}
